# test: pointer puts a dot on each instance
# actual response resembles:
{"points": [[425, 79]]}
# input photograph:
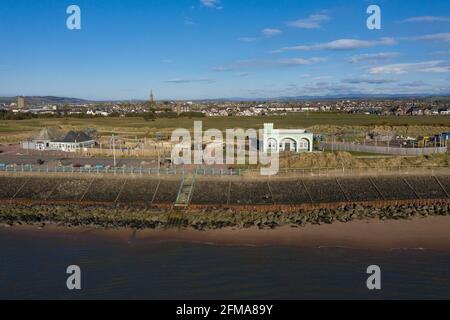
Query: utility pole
{"points": [[114, 149], [159, 156], [332, 143]]}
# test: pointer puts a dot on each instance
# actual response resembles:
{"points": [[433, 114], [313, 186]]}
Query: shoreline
{"points": [[83, 215], [426, 233]]}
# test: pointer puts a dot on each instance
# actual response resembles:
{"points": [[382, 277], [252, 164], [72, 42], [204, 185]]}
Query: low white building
{"points": [[43, 139], [97, 113], [51, 139], [72, 141], [289, 140]]}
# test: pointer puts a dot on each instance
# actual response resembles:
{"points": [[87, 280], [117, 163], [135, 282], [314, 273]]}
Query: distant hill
{"points": [[36, 100], [40, 100], [333, 97]]}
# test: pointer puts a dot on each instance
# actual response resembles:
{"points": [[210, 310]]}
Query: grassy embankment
{"points": [[348, 160], [317, 122]]}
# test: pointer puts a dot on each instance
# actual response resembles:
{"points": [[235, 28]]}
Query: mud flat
{"points": [[430, 233]]}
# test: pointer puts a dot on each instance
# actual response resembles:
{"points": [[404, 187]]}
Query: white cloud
{"points": [[437, 66], [266, 33], [443, 37], [413, 84], [327, 88], [215, 4], [299, 61], [312, 22], [341, 45], [372, 57], [368, 81], [181, 81], [269, 32], [427, 19], [321, 78], [258, 64]]}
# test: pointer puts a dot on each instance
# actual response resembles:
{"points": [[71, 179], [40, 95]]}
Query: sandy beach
{"points": [[421, 233]]}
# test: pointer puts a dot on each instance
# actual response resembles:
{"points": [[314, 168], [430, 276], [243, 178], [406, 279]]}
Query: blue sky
{"points": [[193, 49]]}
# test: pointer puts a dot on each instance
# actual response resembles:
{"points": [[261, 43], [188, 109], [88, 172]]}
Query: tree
{"points": [[149, 116]]}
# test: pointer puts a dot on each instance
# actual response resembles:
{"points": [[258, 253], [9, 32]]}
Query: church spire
{"points": [[152, 97]]}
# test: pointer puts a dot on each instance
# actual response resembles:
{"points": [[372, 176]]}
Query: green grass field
{"points": [[291, 121]]}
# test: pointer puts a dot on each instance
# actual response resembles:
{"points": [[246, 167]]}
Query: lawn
{"points": [[140, 127]]}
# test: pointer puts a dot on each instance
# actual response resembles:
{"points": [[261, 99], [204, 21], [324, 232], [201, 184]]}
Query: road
{"points": [[66, 161]]}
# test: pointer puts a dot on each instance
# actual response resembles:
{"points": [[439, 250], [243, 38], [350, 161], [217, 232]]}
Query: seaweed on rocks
{"points": [[151, 218]]}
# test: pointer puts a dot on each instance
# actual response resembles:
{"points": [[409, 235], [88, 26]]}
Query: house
{"points": [[72, 141], [414, 111], [97, 113], [445, 111], [434, 111], [182, 108], [381, 136], [290, 140], [52, 139], [400, 112], [445, 136]]}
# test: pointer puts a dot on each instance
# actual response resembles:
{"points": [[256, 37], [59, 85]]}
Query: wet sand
{"points": [[432, 233]]}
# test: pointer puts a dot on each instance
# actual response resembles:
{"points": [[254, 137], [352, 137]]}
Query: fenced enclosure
{"points": [[28, 168], [240, 172], [351, 147]]}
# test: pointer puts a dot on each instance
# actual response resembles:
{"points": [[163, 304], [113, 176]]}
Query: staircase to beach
{"points": [[185, 192], [176, 217]]}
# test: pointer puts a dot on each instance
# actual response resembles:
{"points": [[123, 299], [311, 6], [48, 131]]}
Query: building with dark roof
{"points": [[72, 141], [51, 139]]}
